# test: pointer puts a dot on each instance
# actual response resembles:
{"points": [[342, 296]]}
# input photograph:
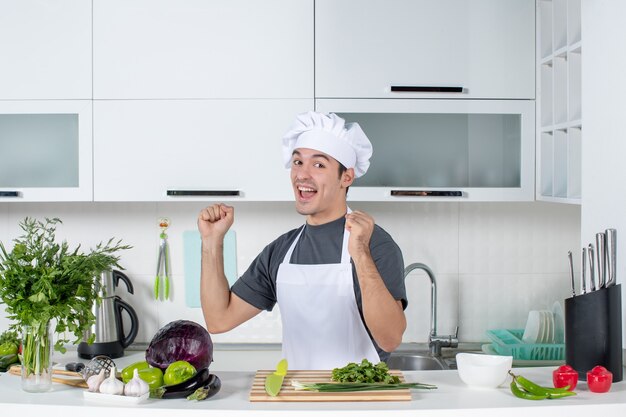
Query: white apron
{"points": [[322, 328]]}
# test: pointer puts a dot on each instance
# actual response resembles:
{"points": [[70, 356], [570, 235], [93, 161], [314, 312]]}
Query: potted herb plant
{"points": [[43, 282]]}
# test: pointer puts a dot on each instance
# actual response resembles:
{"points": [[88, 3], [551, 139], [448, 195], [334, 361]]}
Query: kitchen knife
{"points": [[571, 271], [584, 272], [600, 259], [274, 382], [611, 252], [592, 279]]}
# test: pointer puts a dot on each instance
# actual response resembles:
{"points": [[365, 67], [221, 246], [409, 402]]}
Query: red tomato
{"points": [[599, 379], [563, 376]]}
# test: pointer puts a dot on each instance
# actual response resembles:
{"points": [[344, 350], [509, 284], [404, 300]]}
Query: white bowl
{"points": [[484, 371]]}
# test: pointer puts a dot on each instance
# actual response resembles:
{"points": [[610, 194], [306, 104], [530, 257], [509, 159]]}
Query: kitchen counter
{"points": [[451, 397]]}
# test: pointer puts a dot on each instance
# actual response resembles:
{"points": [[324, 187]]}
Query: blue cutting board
{"points": [[192, 247]]}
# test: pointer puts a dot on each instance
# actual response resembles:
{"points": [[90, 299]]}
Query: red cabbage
{"points": [[180, 340]]}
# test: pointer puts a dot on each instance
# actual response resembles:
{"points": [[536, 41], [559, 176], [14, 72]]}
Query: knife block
{"points": [[593, 331]]}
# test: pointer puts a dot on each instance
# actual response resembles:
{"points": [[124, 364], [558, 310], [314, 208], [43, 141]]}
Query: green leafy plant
{"points": [[364, 372], [42, 281]]}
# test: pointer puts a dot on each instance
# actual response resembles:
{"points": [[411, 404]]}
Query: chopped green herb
{"points": [[364, 372]]}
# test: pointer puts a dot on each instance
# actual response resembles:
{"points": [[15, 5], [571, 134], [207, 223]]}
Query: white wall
{"points": [[604, 112], [493, 261]]}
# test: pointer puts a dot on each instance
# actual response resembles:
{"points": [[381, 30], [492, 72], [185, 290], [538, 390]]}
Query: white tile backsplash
{"points": [[493, 261]]}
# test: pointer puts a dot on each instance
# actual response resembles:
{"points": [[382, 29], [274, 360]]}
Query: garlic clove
{"points": [[112, 385], [136, 387], [94, 381]]}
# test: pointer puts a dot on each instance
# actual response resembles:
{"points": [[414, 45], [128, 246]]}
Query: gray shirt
{"points": [[320, 244]]}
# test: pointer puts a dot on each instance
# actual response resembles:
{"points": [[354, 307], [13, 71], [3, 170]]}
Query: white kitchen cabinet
{"points": [[484, 47], [182, 150], [46, 49], [45, 150], [181, 49], [559, 110], [444, 150]]}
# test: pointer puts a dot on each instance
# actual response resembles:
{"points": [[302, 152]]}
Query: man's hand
{"points": [[361, 226], [214, 221]]}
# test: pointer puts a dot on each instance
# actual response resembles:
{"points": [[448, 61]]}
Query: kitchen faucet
{"points": [[435, 341]]}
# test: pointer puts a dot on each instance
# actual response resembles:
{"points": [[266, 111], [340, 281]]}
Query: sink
{"points": [[412, 362]]}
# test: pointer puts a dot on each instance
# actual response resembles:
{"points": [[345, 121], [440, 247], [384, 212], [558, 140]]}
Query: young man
{"points": [[338, 280]]}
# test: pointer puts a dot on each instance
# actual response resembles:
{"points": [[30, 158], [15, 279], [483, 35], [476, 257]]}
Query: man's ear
{"points": [[347, 178]]}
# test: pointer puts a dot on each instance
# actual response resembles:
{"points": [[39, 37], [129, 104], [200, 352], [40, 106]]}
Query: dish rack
{"points": [[509, 342]]}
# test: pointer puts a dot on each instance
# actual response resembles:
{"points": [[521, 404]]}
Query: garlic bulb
{"points": [[94, 381], [112, 385], [136, 387]]}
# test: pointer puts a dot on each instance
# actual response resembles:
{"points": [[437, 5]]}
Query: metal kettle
{"points": [[110, 337]]}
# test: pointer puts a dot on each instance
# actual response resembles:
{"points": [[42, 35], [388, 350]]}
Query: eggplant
{"points": [[210, 389], [183, 389]]}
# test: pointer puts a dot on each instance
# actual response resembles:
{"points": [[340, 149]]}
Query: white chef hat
{"points": [[329, 133]]}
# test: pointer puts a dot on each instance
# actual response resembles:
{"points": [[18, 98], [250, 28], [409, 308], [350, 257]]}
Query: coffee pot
{"points": [[110, 337]]}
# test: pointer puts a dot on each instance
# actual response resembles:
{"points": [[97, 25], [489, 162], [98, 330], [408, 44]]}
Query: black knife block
{"points": [[593, 331]]}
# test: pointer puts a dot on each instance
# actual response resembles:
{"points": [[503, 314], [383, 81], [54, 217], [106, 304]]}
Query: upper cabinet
{"points": [[425, 49], [446, 150], [185, 150], [182, 49], [559, 104], [46, 49], [45, 150]]}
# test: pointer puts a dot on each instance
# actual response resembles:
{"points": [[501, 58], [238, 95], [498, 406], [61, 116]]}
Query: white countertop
{"points": [[451, 397]]}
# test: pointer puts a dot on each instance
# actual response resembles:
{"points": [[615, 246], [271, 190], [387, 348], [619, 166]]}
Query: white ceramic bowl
{"points": [[484, 371]]}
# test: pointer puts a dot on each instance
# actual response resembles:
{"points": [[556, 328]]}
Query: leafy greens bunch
{"points": [[42, 280], [364, 372]]}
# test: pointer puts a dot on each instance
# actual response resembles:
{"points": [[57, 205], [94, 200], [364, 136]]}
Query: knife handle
{"points": [[583, 280], [601, 259], [611, 252], [590, 254]]}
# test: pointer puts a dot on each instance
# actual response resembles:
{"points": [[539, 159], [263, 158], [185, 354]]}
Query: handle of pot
{"points": [[124, 339], [117, 275]]}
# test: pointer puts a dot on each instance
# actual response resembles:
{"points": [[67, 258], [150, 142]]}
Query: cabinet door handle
{"points": [[425, 89], [425, 193], [9, 193], [203, 193]]}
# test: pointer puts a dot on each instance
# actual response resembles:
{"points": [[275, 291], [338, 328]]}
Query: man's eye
{"points": [[318, 165], [297, 162]]}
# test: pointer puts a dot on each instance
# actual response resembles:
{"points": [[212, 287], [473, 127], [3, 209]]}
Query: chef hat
{"points": [[330, 134]]}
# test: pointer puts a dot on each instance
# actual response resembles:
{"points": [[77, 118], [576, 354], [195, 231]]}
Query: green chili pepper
{"points": [[519, 393], [527, 389]]}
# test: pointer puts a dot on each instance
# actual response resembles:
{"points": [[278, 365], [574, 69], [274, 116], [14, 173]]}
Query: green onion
{"points": [[357, 386]]}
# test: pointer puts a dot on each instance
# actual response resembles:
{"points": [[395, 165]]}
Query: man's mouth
{"points": [[306, 192]]}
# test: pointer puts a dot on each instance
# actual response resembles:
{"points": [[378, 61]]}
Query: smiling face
{"points": [[319, 189]]}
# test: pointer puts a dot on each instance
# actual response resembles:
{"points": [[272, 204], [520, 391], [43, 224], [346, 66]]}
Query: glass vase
{"points": [[36, 357]]}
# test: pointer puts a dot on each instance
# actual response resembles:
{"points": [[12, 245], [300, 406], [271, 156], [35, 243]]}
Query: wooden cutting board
{"points": [[289, 394]]}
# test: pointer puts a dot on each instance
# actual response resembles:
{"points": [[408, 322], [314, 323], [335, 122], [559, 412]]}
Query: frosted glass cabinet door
{"points": [[477, 150], [486, 47], [162, 49], [177, 150], [45, 49], [45, 150]]}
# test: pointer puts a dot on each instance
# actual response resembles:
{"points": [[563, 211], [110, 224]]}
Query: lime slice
{"points": [[281, 368], [273, 383]]}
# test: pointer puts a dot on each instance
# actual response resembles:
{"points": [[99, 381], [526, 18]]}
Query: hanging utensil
{"points": [[163, 264], [601, 259], [611, 251], [592, 280], [571, 270]]}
